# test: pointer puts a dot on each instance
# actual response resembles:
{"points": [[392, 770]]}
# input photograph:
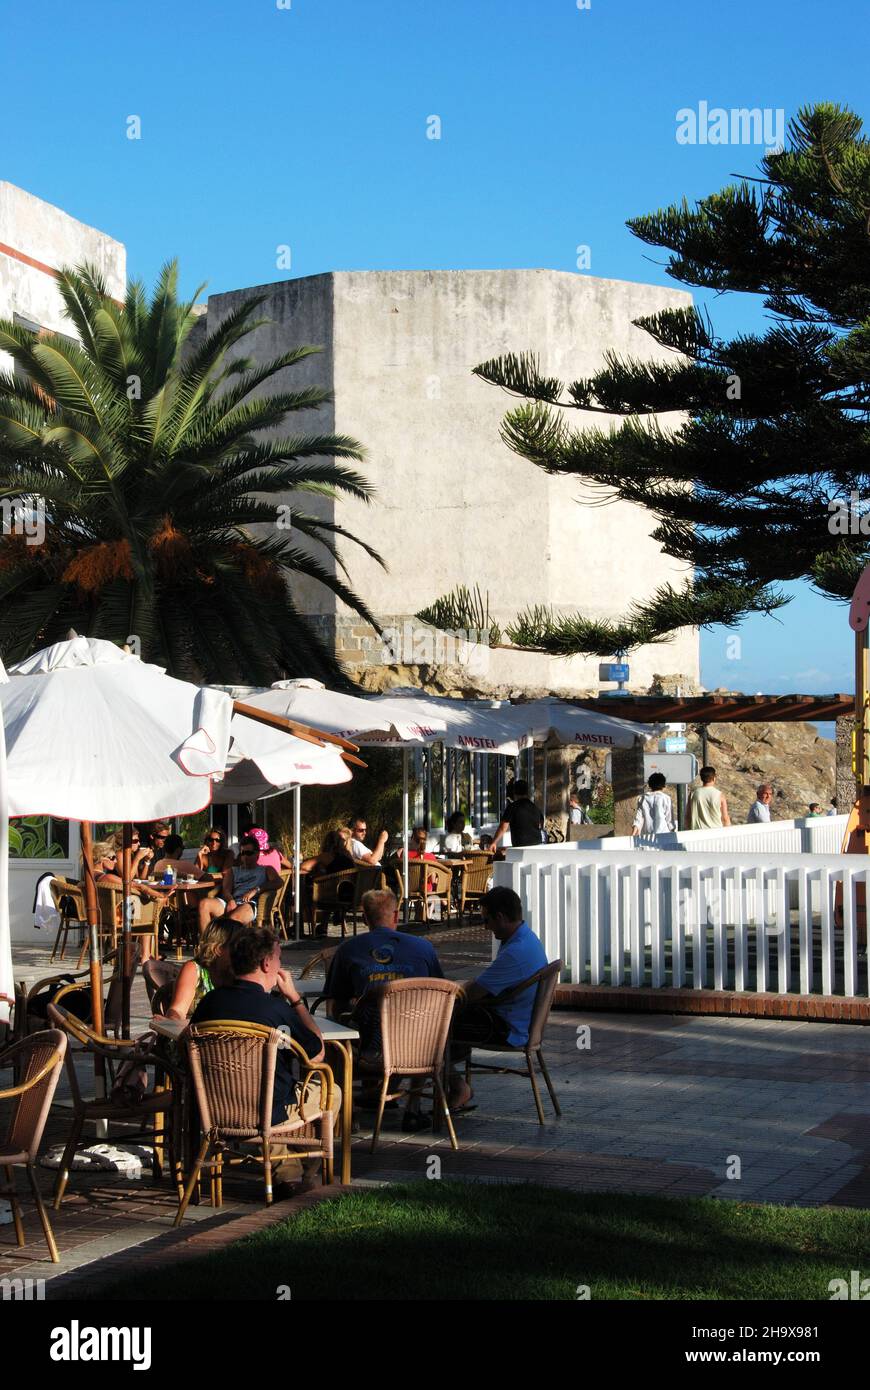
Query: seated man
{"points": [[240, 888], [361, 963], [477, 1020], [360, 850], [255, 961]]}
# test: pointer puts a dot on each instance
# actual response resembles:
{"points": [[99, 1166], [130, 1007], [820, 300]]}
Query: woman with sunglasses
{"points": [[214, 856], [241, 888]]}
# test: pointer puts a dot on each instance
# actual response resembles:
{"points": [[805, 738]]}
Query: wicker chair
{"points": [[69, 899], [415, 1022], [109, 901], [368, 877], [232, 1068], [279, 915], [546, 980], [475, 879], [331, 893], [268, 903], [152, 1105], [158, 973], [37, 1060], [421, 874]]}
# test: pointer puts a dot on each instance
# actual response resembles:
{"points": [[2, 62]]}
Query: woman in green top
{"points": [[214, 856], [210, 967]]}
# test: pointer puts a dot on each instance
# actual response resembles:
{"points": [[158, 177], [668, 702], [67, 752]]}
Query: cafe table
{"points": [[337, 1035], [170, 894], [340, 1036]]}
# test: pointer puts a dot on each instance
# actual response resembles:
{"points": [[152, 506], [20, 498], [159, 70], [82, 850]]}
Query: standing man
{"points": [[708, 809], [759, 811], [360, 850], [522, 818]]}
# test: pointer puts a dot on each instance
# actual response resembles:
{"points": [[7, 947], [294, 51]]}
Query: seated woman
{"points": [[107, 865], [214, 856], [210, 968], [335, 854], [241, 888], [269, 855], [456, 839]]}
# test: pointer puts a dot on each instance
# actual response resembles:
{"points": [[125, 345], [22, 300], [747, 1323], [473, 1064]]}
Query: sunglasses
{"points": [[247, 854], [213, 840]]}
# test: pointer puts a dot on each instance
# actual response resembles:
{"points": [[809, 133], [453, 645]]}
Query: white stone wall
{"points": [[453, 504], [44, 233]]}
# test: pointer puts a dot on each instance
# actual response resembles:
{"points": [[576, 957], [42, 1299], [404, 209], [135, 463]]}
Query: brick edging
{"points": [[166, 1250], [825, 1008]]}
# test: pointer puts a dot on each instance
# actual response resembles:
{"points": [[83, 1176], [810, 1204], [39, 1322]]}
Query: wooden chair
{"points": [[69, 899], [415, 1023], [159, 1102], [331, 893], [232, 1068], [426, 879], [546, 980], [37, 1061]]}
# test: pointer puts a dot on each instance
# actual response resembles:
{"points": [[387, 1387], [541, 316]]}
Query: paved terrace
{"points": [[654, 1104]]}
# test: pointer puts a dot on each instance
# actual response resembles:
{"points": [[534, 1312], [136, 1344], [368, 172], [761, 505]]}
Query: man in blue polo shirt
{"points": [[362, 963], [478, 1020]]}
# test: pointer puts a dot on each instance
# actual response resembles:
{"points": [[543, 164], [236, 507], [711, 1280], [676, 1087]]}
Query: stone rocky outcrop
{"points": [[798, 764]]}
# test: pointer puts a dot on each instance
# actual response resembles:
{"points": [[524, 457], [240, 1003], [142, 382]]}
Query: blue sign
{"points": [[675, 745], [613, 671]]}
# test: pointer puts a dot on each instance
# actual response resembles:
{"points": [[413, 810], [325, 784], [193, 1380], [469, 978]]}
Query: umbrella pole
{"points": [[93, 916], [297, 836], [405, 830], [126, 923]]}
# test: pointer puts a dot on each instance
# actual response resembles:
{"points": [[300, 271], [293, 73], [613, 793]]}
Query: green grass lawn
{"points": [[451, 1240]]}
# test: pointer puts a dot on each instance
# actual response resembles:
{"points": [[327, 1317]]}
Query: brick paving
{"points": [[656, 1103]]}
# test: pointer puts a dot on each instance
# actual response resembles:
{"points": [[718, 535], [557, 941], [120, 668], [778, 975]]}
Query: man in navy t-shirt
{"points": [[378, 956], [362, 964]]}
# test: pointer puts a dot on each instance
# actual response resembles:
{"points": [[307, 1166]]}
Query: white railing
{"points": [[702, 920], [813, 835]]}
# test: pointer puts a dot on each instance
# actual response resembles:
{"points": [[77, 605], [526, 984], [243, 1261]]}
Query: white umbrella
{"points": [[95, 734], [7, 984], [366, 721], [560, 722]]}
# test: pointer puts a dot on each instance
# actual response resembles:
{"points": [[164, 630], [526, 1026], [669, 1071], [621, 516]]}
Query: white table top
{"points": [[331, 1030]]}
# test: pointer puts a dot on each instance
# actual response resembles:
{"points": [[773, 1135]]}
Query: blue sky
{"points": [[306, 127]]}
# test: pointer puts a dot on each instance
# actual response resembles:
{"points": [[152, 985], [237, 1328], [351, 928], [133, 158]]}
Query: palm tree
{"points": [[153, 454]]}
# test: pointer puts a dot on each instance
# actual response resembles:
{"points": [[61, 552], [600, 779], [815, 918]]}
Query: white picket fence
{"points": [[737, 920], [812, 835]]}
